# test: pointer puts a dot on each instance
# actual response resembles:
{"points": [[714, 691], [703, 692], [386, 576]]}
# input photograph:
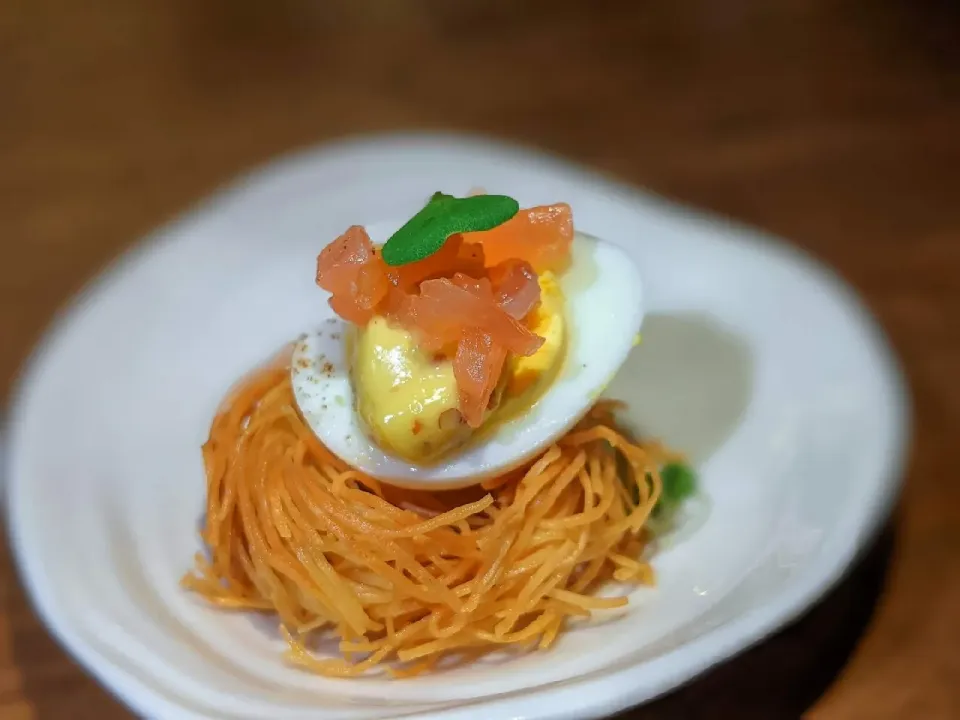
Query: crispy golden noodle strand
{"points": [[407, 577]]}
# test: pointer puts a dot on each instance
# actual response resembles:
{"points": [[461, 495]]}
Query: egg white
{"points": [[604, 312]]}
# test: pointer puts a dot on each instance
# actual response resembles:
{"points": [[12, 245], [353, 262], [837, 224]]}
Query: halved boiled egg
{"points": [[389, 407]]}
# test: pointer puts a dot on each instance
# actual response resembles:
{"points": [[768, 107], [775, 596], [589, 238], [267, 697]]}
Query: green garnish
{"points": [[443, 216], [679, 483]]}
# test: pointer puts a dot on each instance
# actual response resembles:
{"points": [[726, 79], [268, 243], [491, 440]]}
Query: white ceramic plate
{"points": [[755, 360]]}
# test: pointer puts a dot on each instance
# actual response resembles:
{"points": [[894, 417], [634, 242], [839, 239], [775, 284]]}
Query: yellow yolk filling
{"points": [[525, 373], [408, 398]]}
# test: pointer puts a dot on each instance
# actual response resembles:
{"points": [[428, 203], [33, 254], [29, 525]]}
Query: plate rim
{"points": [[703, 651]]}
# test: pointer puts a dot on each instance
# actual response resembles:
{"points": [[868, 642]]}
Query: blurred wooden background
{"points": [[834, 123]]}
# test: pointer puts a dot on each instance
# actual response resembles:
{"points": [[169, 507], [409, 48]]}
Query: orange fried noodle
{"points": [[410, 577]]}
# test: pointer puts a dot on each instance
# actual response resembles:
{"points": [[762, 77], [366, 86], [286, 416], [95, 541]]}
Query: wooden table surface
{"points": [[833, 123]]}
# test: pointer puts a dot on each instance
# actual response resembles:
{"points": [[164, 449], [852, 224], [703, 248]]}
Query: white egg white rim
{"points": [[324, 393], [594, 694]]}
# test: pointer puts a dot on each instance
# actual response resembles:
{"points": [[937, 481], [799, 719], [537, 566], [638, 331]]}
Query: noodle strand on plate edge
{"points": [[408, 577]]}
